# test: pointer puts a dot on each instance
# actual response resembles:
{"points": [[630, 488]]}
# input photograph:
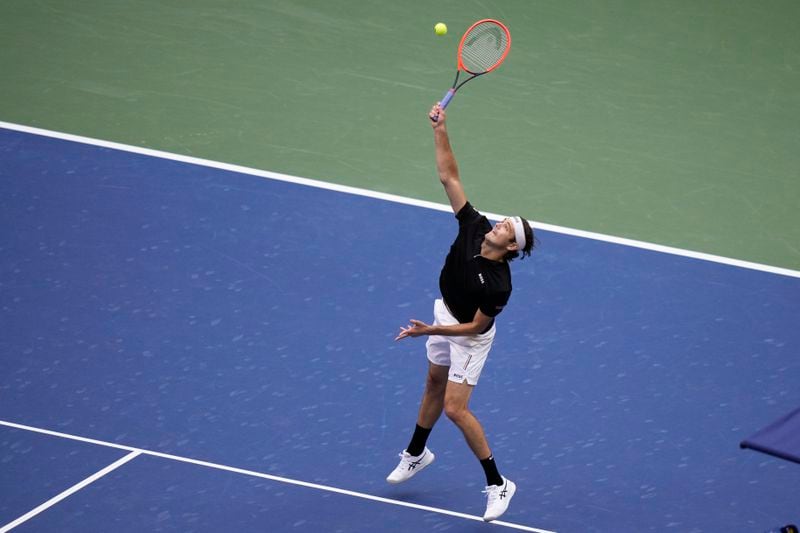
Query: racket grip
{"points": [[447, 98]]}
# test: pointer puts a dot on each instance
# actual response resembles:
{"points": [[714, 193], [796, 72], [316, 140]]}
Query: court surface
{"points": [[214, 351]]}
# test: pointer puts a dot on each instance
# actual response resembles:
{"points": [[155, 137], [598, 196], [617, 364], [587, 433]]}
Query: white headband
{"points": [[519, 232]]}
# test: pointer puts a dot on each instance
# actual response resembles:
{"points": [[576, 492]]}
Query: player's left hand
{"points": [[414, 329], [437, 116]]}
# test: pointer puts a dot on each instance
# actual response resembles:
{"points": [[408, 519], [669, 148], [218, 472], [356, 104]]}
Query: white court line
{"points": [[137, 451], [395, 198], [73, 489]]}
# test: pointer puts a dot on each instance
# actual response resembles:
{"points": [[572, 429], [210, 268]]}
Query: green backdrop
{"points": [[674, 122]]}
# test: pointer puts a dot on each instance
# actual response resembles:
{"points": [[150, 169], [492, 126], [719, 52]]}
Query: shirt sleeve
{"points": [[467, 215], [492, 304]]}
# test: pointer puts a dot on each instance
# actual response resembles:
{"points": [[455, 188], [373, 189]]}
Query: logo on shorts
{"points": [[458, 376]]}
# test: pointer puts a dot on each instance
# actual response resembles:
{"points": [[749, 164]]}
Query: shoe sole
{"points": [[416, 471]]}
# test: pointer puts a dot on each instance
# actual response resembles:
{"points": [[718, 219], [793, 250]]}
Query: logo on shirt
{"points": [[480, 277]]}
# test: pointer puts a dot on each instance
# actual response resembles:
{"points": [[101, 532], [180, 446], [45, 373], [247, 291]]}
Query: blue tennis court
{"points": [[214, 351]]}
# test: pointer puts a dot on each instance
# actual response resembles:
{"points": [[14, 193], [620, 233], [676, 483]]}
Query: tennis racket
{"points": [[482, 49]]}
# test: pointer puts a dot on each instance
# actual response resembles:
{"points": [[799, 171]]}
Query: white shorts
{"points": [[464, 355]]}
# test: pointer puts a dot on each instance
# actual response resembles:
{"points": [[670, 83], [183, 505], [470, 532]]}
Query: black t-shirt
{"points": [[468, 281]]}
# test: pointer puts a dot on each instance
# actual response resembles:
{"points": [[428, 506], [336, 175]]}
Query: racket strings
{"points": [[483, 47]]}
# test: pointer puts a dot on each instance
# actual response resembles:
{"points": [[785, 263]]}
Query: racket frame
{"points": [[460, 65]]}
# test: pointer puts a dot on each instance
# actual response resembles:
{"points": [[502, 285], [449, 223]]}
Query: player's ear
{"points": [[512, 246]]}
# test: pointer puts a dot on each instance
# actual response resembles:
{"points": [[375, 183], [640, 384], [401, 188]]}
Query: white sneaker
{"points": [[410, 465], [499, 496]]}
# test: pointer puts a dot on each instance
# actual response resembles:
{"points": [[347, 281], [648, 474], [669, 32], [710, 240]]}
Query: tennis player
{"points": [[475, 283]]}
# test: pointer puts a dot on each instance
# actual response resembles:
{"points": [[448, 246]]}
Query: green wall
{"points": [[673, 122]]}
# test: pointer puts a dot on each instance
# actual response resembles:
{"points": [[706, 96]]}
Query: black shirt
{"points": [[468, 281]]}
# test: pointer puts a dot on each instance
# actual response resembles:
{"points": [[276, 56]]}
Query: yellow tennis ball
{"points": [[440, 28]]}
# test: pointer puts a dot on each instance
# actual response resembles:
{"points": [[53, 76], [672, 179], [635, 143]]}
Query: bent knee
{"points": [[455, 411]]}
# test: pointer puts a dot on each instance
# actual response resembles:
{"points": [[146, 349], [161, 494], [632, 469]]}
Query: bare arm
{"points": [[416, 328], [446, 161]]}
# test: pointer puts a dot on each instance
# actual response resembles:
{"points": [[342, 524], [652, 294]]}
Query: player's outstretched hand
{"points": [[414, 329], [437, 116]]}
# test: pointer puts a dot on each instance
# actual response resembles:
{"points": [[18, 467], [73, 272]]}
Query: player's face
{"points": [[502, 234]]}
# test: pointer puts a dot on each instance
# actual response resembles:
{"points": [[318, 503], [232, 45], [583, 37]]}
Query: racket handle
{"points": [[446, 100]]}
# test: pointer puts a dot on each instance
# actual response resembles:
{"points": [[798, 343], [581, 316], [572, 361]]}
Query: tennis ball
{"points": [[440, 28]]}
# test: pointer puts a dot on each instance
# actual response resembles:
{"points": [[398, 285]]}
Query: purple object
{"points": [[781, 438]]}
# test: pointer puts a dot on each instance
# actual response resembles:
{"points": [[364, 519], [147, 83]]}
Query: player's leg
{"points": [[499, 490], [467, 358], [417, 456], [456, 407], [432, 403]]}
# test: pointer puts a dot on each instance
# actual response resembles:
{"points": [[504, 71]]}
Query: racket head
{"points": [[483, 47]]}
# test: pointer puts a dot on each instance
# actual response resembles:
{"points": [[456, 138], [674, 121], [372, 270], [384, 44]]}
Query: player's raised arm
{"points": [[446, 161]]}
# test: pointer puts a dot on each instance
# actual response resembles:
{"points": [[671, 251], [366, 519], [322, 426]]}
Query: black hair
{"points": [[529, 243]]}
